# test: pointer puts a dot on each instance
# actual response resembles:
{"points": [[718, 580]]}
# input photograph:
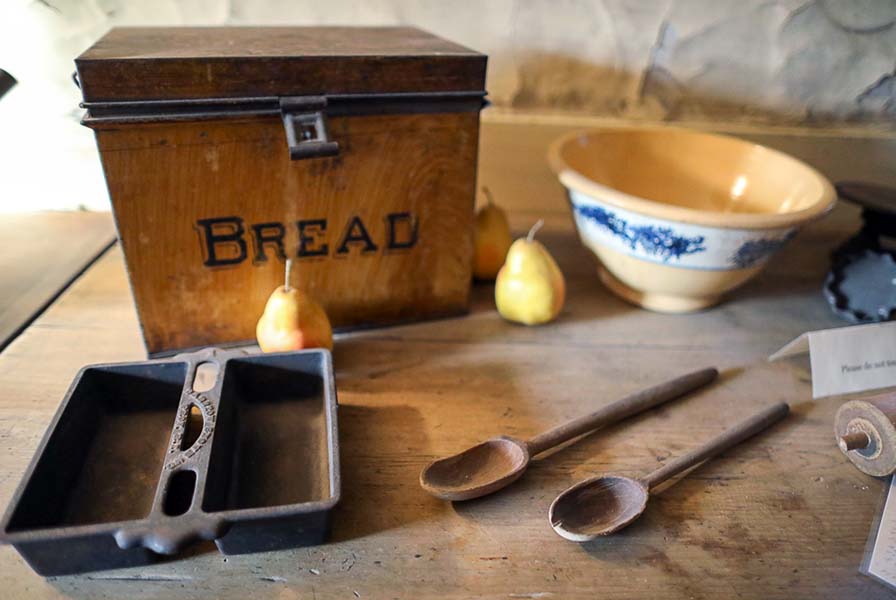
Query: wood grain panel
{"points": [[152, 63], [394, 176]]}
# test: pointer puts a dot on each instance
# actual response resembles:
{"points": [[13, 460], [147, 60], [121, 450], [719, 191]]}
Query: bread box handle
{"points": [[306, 127]]}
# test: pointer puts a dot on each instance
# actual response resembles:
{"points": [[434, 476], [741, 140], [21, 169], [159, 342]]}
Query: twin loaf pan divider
{"points": [[138, 464]]}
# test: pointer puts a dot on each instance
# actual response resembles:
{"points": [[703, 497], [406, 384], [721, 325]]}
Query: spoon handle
{"points": [[626, 407], [728, 439]]}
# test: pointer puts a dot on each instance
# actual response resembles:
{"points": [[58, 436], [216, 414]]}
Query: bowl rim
{"points": [[574, 180]]}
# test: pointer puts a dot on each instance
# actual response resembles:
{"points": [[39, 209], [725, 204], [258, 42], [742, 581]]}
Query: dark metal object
{"points": [[860, 285], [337, 105], [306, 127], [870, 196], [7, 82], [304, 117], [252, 463]]}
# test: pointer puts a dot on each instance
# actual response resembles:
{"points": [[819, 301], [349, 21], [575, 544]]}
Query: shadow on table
{"points": [[385, 446], [379, 455]]}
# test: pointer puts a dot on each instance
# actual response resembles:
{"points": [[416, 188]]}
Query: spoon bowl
{"points": [[597, 506], [477, 471], [604, 505]]}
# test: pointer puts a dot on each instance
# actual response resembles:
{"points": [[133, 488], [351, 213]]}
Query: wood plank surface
{"points": [[782, 516], [40, 254]]}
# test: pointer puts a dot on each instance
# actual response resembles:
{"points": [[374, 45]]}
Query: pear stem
{"points": [[488, 195], [286, 275], [534, 229]]}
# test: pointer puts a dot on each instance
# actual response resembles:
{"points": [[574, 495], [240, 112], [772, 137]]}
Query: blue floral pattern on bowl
{"points": [[661, 242], [673, 243], [754, 251]]}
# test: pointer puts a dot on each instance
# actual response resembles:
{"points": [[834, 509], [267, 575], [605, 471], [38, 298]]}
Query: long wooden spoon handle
{"points": [[720, 443], [616, 411]]}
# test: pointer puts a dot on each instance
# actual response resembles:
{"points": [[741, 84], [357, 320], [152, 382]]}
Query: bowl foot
{"points": [[665, 303]]}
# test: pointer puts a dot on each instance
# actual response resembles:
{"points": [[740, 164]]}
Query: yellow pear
{"points": [[530, 288], [292, 320], [491, 240]]}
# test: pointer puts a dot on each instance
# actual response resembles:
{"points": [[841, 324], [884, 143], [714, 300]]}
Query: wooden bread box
{"points": [[228, 150]]}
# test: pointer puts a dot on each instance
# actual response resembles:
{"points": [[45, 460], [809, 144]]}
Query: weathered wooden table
{"points": [[41, 253], [782, 516]]}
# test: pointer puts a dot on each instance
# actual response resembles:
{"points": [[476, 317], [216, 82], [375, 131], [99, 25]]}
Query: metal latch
{"points": [[306, 127]]}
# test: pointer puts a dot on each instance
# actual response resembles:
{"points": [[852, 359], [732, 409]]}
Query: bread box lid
{"points": [[132, 64]]}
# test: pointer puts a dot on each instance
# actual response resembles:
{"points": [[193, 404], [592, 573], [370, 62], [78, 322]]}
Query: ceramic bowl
{"points": [[677, 218]]}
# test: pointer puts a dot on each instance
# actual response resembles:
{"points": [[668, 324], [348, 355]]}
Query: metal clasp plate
{"points": [[306, 127]]}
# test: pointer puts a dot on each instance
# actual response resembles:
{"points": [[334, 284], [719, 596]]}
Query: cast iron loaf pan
{"points": [[137, 464]]}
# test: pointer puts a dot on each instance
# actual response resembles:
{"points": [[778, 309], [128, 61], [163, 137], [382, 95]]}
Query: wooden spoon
{"points": [[605, 504], [494, 464]]}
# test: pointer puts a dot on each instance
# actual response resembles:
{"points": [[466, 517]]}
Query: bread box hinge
{"points": [[304, 119]]}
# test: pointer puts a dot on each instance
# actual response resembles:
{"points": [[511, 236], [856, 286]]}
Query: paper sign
{"points": [[848, 359], [881, 562]]}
